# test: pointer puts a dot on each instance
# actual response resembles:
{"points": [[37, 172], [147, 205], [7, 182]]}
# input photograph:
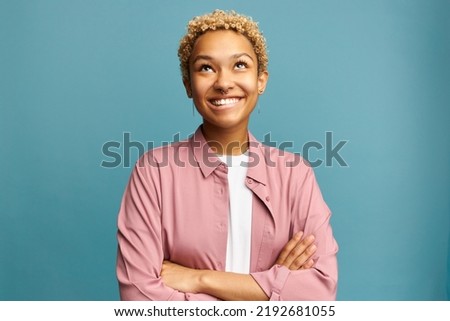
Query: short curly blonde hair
{"points": [[222, 20]]}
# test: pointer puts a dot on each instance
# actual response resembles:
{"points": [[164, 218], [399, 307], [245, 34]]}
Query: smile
{"points": [[224, 102]]}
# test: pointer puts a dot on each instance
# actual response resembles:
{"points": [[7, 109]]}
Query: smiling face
{"points": [[223, 80]]}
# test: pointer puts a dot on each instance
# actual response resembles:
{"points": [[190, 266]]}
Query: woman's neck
{"points": [[226, 141]]}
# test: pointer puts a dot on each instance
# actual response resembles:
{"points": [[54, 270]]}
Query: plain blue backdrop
{"points": [[75, 75]]}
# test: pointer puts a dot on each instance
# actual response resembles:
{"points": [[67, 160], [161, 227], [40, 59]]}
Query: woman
{"points": [[220, 216]]}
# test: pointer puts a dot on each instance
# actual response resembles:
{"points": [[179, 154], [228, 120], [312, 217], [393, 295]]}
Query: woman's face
{"points": [[224, 81]]}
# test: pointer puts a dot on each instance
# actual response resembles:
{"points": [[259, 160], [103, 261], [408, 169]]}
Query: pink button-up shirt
{"points": [[176, 208]]}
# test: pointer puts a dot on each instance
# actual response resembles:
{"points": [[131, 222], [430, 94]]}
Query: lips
{"points": [[224, 102]]}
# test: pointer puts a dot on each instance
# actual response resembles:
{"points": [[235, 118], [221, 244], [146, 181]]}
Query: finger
{"points": [[303, 258], [309, 264], [289, 247], [297, 252]]}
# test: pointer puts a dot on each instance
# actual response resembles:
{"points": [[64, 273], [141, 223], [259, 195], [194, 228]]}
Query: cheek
{"points": [[249, 83], [250, 86], [197, 90], [200, 86]]}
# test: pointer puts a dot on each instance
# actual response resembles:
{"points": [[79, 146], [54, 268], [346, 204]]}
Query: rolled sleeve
{"points": [[281, 284]]}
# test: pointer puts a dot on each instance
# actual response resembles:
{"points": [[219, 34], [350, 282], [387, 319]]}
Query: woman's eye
{"points": [[241, 65], [206, 68]]}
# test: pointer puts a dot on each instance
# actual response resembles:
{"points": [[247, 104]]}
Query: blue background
{"points": [[77, 74]]}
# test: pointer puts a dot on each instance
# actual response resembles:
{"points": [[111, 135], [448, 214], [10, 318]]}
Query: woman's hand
{"points": [[297, 253], [180, 278]]}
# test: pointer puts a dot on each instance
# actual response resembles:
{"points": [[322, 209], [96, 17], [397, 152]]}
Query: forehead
{"points": [[222, 43]]}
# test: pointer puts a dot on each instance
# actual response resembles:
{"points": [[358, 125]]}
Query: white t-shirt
{"points": [[240, 216]]}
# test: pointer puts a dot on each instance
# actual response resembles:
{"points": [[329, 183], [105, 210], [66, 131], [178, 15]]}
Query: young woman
{"points": [[221, 216]]}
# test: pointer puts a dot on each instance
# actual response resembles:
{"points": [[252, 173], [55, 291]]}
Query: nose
{"points": [[224, 82]]}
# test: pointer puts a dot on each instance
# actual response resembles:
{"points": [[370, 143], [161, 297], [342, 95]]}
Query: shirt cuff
{"points": [[272, 281]]}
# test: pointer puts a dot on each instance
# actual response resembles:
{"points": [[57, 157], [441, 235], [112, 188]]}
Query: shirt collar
{"points": [[208, 161]]}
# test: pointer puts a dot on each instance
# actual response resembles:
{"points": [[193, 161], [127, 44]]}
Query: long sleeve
{"points": [[140, 248], [311, 215]]}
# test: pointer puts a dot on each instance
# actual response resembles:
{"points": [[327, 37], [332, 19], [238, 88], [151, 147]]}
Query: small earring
{"points": [[260, 91]]}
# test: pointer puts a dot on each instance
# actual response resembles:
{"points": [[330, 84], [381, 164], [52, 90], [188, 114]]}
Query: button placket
{"points": [[220, 205]]}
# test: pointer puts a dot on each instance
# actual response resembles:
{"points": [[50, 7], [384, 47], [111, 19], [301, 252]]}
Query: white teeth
{"points": [[227, 101]]}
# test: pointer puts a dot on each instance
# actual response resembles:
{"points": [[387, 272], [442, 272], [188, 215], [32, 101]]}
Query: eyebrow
{"points": [[235, 56]]}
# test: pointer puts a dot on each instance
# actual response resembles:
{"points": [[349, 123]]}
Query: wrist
{"points": [[204, 280]]}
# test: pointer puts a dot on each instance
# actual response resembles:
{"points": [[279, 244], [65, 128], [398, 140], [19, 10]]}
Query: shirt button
{"points": [[267, 198], [250, 181]]}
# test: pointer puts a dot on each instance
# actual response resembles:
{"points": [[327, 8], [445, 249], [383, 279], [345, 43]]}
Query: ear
{"points": [[263, 77], [187, 87]]}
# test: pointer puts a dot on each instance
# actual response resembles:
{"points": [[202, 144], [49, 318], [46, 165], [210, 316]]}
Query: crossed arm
{"points": [[295, 255]]}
